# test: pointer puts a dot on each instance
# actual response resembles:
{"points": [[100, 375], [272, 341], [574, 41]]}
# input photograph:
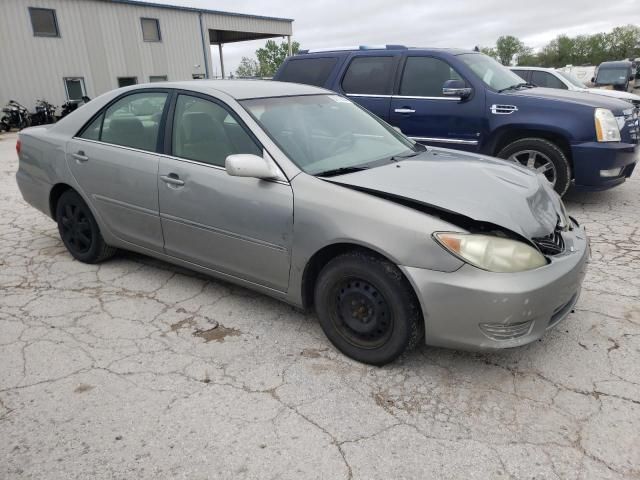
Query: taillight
{"points": [[18, 146]]}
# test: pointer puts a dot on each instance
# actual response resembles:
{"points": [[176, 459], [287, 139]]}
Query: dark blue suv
{"points": [[468, 101]]}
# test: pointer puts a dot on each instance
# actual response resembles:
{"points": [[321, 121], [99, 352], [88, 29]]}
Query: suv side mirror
{"points": [[456, 88], [249, 165], [593, 79]]}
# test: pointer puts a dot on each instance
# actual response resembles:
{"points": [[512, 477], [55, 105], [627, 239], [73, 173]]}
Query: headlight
{"points": [[494, 254], [607, 129]]}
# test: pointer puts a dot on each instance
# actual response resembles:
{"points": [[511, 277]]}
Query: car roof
{"points": [[539, 69], [619, 63], [386, 48], [241, 89]]}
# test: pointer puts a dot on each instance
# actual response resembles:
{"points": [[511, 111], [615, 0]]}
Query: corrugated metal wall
{"points": [[101, 41]]}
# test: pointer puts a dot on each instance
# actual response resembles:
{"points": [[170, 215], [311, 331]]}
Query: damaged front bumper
{"points": [[473, 309]]}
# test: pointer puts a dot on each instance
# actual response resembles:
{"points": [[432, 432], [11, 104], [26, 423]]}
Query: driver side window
{"points": [[424, 77], [205, 132]]}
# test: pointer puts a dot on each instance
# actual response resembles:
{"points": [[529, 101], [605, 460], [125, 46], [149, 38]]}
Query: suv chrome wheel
{"points": [[537, 161]]}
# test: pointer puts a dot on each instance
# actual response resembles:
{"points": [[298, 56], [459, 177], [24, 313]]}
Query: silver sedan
{"points": [[299, 193]]}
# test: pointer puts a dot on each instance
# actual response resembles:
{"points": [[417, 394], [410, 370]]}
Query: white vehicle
{"points": [[552, 78]]}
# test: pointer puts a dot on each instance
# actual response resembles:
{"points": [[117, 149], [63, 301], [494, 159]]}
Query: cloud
{"points": [[457, 23]]}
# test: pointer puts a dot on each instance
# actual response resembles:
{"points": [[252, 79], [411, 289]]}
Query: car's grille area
{"points": [[632, 123], [552, 244]]}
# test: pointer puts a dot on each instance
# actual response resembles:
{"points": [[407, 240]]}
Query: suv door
{"points": [[423, 113], [368, 80], [234, 225], [115, 163]]}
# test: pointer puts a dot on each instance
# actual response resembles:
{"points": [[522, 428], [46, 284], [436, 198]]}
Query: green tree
{"points": [[271, 56], [623, 42], [248, 67], [527, 57], [507, 47], [489, 51]]}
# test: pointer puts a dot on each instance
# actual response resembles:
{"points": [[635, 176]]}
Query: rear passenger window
{"points": [[133, 121], [369, 75], [206, 132], [310, 71], [92, 132], [425, 76], [544, 79]]}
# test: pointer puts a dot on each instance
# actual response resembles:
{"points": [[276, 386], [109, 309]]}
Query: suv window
{"points": [[424, 77], [521, 73], [132, 121], [545, 79], [205, 131], [369, 75], [311, 71]]}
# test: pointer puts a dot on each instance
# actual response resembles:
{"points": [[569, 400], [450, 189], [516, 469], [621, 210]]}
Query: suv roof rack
{"points": [[359, 47]]}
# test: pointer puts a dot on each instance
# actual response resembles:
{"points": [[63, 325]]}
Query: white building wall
{"points": [[101, 41]]}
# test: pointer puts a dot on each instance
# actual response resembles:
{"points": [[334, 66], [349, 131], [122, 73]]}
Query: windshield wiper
{"points": [[517, 86], [397, 158], [339, 171]]}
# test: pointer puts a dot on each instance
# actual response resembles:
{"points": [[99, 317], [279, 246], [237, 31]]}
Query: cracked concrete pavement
{"points": [[139, 369]]}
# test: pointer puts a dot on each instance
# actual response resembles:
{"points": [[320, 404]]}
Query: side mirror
{"points": [[248, 165], [456, 88], [593, 79]]}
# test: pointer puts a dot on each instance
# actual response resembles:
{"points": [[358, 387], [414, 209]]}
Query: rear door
{"points": [[115, 162], [234, 225], [368, 80], [423, 113]]}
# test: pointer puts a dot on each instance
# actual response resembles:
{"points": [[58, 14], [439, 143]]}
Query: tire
{"points": [[546, 153], [79, 230], [367, 309]]}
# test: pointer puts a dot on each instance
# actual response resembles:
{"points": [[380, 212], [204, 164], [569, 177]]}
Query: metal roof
{"points": [[141, 3]]}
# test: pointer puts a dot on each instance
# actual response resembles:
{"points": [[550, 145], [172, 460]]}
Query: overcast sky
{"points": [[427, 23]]}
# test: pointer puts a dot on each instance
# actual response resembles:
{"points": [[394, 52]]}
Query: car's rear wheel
{"points": [[79, 230], [367, 308], [542, 156]]}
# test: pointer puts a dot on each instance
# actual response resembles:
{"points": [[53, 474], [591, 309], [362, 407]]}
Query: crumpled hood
{"points": [[482, 188], [579, 98]]}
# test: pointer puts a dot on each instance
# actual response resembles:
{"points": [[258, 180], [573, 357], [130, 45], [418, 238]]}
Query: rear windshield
{"points": [[310, 71]]}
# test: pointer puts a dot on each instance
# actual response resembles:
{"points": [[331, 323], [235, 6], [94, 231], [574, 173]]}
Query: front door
{"points": [[368, 81], [423, 113], [238, 226], [114, 161]]}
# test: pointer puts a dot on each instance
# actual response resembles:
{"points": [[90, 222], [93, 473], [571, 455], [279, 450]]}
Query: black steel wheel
{"points": [[79, 230], [367, 308]]}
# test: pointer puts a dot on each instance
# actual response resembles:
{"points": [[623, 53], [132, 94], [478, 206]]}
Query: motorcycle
{"points": [[72, 105], [15, 116], [44, 114]]}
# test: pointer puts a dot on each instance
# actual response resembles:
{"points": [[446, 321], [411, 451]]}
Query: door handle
{"points": [[172, 179], [80, 156], [404, 110]]}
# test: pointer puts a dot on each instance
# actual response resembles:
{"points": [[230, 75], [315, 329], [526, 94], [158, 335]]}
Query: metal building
{"points": [[64, 49]]}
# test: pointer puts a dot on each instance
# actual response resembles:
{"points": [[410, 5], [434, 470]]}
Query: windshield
{"points": [[323, 133], [572, 79], [492, 73], [612, 76]]}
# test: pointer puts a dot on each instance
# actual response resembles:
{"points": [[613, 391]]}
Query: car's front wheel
{"points": [[367, 308], [79, 230], [542, 156]]}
